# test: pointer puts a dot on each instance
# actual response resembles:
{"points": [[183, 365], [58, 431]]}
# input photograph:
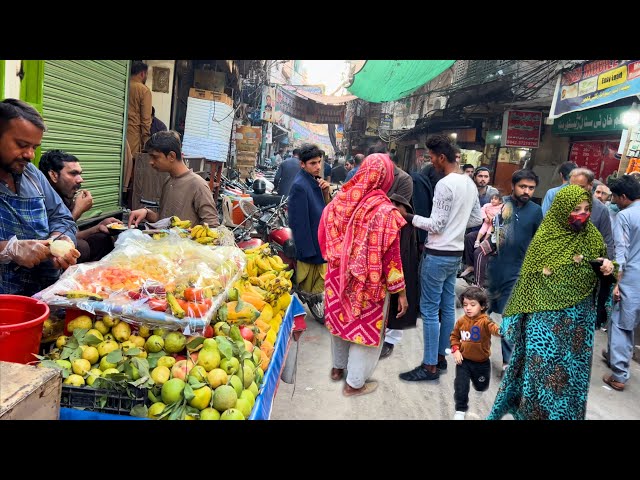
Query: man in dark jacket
{"points": [[424, 185], [338, 173], [286, 172], [307, 199], [410, 260], [157, 125]]}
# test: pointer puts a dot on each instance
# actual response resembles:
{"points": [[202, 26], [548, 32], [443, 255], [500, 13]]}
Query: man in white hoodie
{"points": [[455, 208]]}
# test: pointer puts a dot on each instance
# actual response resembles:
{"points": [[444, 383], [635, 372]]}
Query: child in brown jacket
{"points": [[471, 348]]}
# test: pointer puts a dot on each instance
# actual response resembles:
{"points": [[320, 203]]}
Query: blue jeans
{"points": [[437, 283]]}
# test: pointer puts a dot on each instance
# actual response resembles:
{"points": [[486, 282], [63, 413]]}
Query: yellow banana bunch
{"points": [[267, 276], [287, 273], [276, 263], [176, 222], [197, 231], [263, 264], [204, 231]]}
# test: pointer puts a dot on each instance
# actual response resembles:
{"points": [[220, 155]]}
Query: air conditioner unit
{"points": [[439, 103], [410, 120]]}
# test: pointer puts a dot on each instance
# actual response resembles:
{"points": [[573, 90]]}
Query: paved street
{"points": [[316, 397]]}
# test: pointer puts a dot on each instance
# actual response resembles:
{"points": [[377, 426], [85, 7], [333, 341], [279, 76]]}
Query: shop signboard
{"points": [[267, 110], [595, 83], [386, 121], [288, 103], [601, 120], [521, 128], [597, 156]]}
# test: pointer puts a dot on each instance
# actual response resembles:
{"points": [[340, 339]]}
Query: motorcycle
{"points": [[269, 224]]}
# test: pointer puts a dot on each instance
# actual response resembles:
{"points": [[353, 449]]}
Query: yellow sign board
{"points": [[612, 78]]}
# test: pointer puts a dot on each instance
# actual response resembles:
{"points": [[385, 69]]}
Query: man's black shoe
{"points": [[387, 348], [442, 364], [418, 374]]}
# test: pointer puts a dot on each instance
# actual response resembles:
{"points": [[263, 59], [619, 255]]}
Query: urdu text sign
{"points": [[521, 128]]}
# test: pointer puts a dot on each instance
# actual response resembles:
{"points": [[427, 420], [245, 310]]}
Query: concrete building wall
{"points": [[552, 152], [11, 85]]}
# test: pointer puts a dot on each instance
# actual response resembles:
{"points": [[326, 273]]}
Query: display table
{"points": [[28, 392], [292, 325]]}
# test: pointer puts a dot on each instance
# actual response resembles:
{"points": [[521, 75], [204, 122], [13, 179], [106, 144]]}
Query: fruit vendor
{"points": [[185, 194], [31, 213], [64, 173], [306, 203]]}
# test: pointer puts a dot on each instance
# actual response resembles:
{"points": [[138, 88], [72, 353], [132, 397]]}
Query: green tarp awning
{"points": [[388, 80]]}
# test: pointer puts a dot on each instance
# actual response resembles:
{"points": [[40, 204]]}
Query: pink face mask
{"points": [[577, 221]]}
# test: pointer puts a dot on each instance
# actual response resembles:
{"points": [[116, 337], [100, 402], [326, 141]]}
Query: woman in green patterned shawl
{"points": [[551, 316]]}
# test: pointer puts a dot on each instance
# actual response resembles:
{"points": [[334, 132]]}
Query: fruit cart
{"points": [[154, 298], [292, 326]]}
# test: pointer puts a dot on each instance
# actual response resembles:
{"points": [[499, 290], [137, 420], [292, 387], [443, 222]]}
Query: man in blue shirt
{"points": [[513, 229], [626, 310], [307, 199], [286, 172], [31, 212], [564, 171], [357, 161]]}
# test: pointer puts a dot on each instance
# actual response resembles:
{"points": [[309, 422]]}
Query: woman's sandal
{"points": [[369, 387], [337, 374]]}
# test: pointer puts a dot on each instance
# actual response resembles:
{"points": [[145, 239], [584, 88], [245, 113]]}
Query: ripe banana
{"points": [[176, 309], [205, 240], [196, 231], [80, 294], [267, 276], [256, 249], [276, 263], [263, 264], [252, 270]]}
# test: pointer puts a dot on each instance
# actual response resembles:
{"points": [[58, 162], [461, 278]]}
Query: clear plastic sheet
{"points": [[135, 280]]}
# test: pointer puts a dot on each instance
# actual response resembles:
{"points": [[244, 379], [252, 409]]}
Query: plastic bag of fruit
{"points": [[170, 282]]}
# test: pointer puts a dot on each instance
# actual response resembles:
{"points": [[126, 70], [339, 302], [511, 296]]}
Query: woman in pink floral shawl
{"points": [[359, 236]]}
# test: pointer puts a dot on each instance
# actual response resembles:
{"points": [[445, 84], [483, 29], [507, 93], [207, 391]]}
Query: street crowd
{"points": [[386, 250], [388, 247]]}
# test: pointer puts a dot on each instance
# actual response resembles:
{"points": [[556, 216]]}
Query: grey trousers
{"points": [[359, 360], [620, 346]]}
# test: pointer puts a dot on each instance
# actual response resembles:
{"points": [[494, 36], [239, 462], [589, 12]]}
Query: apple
{"points": [[208, 332], [246, 332], [181, 369]]}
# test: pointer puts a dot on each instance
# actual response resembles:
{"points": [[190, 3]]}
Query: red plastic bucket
{"points": [[21, 320]]}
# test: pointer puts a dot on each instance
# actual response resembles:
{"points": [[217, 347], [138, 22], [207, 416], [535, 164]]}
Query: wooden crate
{"points": [[209, 95], [29, 393]]}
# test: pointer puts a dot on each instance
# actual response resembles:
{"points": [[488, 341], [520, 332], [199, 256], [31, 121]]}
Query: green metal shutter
{"points": [[85, 108]]}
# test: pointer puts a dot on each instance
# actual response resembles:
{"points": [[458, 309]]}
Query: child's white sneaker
{"points": [[459, 415]]}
